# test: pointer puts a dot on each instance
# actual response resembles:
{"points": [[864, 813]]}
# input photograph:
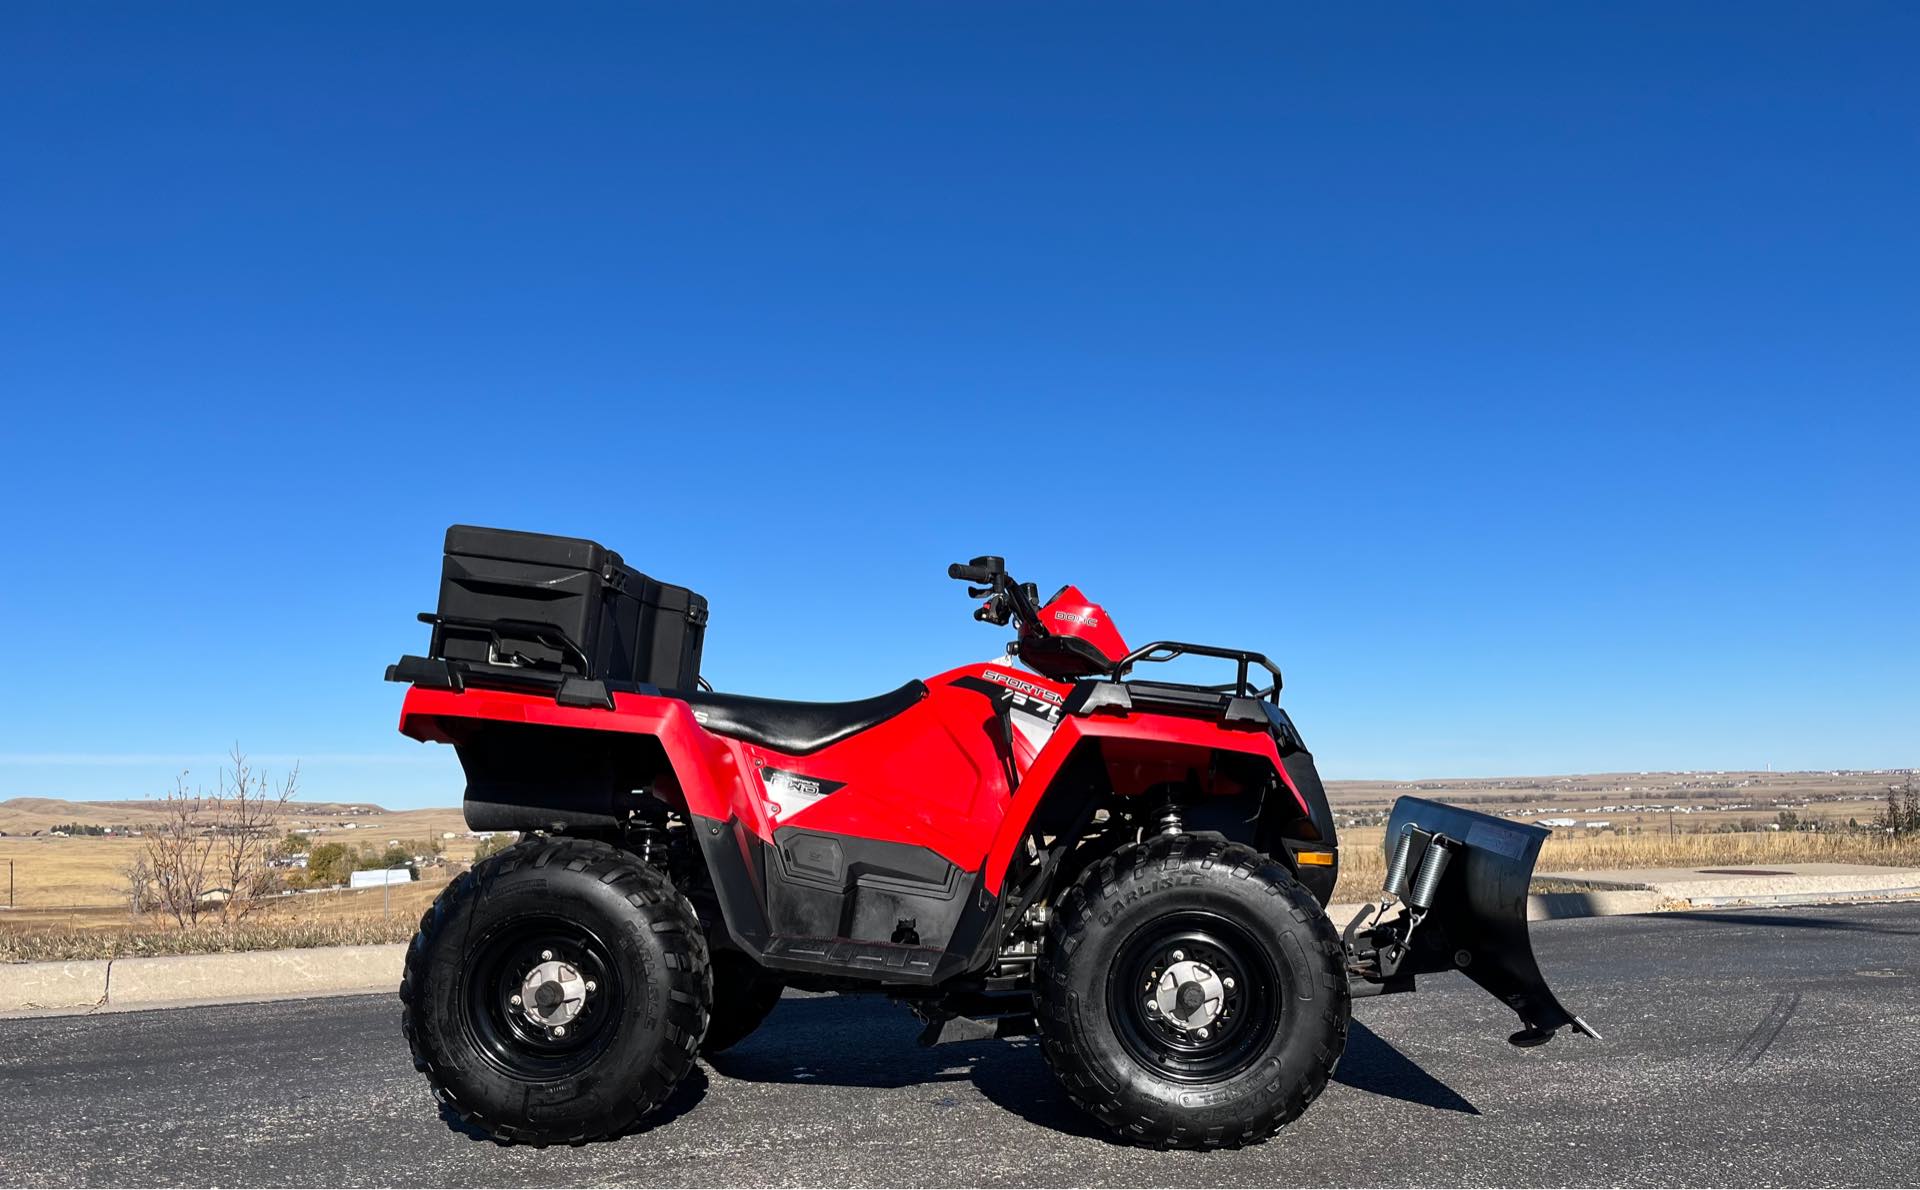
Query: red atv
{"points": [[1136, 870]]}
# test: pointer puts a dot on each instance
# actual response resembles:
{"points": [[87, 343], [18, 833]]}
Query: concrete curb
{"points": [[280, 974], [44, 987], [126, 985], [1760, 900]]}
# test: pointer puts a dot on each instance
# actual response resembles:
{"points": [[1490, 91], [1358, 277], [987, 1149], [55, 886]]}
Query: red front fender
{"points": [[1140, 749]]}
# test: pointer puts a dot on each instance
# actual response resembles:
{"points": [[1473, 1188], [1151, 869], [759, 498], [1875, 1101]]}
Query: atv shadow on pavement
{"points": [[1372, 1064], [849, 1041]]}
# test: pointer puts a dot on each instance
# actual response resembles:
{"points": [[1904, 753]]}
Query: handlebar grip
{"points": [[972, 574]]}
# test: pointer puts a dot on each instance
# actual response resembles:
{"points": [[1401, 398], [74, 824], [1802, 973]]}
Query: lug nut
{"points": [[514, 999], [592, 986], [1153, 1006], [546, 956], [1178, 955], [1201, 1032], [1227, 982], [559, 1030]]}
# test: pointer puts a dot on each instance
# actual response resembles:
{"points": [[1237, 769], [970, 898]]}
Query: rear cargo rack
{"points": [[546, 634], [570, 690]]}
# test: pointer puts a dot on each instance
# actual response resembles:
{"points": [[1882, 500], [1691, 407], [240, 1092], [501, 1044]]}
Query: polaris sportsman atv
{"points": [[1136, 870]]}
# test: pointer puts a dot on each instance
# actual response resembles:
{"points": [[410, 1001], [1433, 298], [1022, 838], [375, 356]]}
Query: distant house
{"points": [[380, 877], [1556, 822]]}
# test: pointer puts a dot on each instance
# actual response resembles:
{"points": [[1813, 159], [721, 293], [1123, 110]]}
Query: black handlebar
{"points": [[1005, 598]]}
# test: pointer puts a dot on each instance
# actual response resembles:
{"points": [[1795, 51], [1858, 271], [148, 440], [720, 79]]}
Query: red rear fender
{"points": [[706, 768]]}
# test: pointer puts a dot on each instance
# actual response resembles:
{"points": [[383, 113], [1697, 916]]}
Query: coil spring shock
{"points": [[1171, 823], [648, 839]]}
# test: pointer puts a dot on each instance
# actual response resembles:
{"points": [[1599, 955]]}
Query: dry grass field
{"points": [[1363, 862], [1643, 820], [71, 899]]}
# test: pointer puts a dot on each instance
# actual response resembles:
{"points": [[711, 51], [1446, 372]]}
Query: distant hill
{"points": [[24, 815]]}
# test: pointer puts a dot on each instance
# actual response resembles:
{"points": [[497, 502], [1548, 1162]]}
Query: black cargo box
{"points": [[531, 603]]}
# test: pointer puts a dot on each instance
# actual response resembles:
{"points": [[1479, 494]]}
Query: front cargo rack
{"points": [[1243, 701], [1243, 686]]}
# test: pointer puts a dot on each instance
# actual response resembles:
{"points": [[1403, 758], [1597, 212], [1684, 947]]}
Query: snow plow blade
{"points": [[1456, 900]]}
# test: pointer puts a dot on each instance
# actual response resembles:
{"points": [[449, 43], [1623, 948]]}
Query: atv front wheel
{"points": [[1192, 993], [557, 992]]}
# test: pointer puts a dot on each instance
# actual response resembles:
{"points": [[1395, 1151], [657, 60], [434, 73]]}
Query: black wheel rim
{"points": [[496, 971], [1221, 1022]]}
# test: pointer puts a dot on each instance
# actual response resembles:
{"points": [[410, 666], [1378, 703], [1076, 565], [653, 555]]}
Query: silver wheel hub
{"points": [[553, 994], [1189, 995]]}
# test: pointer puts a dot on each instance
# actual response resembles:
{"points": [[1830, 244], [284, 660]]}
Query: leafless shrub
{"points": [[138, 873], [247, 814], [212, 854]]}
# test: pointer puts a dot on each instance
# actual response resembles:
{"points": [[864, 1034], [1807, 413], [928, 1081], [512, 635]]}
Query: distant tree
{"points": [[81, 828], [1787, 820], [393, 855], [493, 846], [1902, 813], [330, 864], [295, 844]]}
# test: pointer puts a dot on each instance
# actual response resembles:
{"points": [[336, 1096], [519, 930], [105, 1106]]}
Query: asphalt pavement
{"points": [[1743, 1048]]}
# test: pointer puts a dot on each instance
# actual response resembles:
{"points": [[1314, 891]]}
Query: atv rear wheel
{"points": [[743, 995], [1192, 993], [557, 992]]}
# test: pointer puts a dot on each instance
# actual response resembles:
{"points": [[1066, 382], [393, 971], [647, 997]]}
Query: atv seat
{"points": [[796, 727]]}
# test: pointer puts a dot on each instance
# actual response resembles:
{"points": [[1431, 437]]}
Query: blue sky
{"points": [[1536, 383]]}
